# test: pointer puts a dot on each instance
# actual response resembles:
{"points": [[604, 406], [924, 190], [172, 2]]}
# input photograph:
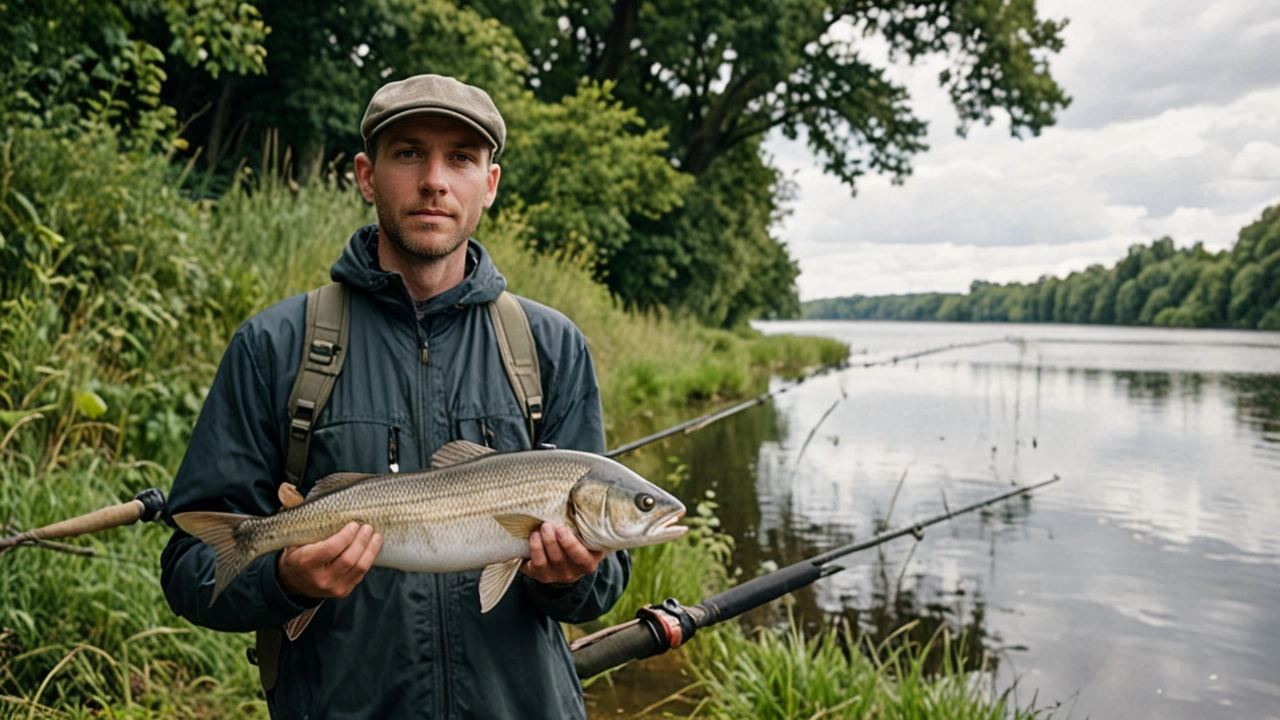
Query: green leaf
{"points": [[90, 404], [26, 205], [13, 417]]}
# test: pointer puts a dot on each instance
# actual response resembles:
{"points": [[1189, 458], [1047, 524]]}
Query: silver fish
{"points": [[474, 508]]}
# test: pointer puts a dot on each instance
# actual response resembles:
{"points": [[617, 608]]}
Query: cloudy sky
{"points": [[1174, 129]]}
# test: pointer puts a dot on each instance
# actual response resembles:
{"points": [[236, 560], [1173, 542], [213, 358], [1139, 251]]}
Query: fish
{"points": [[474, 508]]}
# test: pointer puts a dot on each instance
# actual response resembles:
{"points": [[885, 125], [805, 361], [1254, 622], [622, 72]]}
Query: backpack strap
{"points": [[323, 352], [519, 356], [328, 321]]}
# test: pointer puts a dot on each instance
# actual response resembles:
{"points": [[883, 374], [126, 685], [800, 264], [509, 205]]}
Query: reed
{"points": [[784, 675], [118, 293]]}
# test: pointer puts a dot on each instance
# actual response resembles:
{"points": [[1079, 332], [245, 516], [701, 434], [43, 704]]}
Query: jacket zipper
{"points": [[393, 448], [424, 346]]}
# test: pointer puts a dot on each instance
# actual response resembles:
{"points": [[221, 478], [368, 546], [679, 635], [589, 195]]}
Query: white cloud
{"points": [[1131, 60], [1197, 165], [880, 269], [1257, 161]]}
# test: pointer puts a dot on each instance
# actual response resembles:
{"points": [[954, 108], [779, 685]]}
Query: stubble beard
{"points": [[389, 220]]}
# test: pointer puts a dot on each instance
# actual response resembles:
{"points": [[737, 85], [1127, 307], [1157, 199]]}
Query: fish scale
{"points": [[449, 510], [475, 508]]}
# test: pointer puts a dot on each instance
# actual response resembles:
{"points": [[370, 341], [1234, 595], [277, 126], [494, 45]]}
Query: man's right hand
{"points": [[330, 568]]}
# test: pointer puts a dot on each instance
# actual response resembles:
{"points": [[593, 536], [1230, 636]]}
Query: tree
{"points": [[324, 60], [68, 65], [722, 75]]}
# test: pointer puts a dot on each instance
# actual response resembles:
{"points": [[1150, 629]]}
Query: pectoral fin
{"points": [[495, 580], [519, 525], [294, 627], [289, 496]]}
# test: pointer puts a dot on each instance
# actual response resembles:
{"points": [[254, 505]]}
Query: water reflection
{"points": [[1145, 581]]}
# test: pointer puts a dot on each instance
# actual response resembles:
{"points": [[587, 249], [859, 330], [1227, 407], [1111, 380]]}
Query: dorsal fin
{"points": [[331, 484], [458, 451]]}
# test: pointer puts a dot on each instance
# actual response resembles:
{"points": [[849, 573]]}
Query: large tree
{"points": [[722, 72], [701, 84], [722, 75]]}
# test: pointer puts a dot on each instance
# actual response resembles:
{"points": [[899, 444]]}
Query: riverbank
{"points": [[117, 302], [119, 296]]}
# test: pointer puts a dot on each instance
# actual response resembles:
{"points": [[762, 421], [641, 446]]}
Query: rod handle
{"points": [[629, 641], [148, 505]]}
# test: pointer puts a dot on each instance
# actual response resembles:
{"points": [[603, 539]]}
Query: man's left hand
{"points": [[556, 555]]}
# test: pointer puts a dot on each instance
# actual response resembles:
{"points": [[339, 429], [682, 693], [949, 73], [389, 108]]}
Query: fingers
{"points": [[346, 571], [332, 567], [573, 549], [556, 555], [329, 549], [351, 565], [537, 553], [551, 542]]}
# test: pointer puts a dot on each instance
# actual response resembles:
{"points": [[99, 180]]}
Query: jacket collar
{"points": [[358, 267]]}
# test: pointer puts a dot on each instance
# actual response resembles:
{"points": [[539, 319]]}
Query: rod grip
{"points": [[104, 519], [634, 641]]}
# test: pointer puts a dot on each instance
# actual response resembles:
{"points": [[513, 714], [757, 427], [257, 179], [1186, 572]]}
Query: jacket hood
{"points": [[358, 268]]}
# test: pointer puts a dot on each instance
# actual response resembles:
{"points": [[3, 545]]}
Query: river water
{"points": [[1144, 584]]}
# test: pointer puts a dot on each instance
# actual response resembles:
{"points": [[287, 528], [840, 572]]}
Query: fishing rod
{"points": [[691, 426], [149, 505], [146, 506], [659, 628]]}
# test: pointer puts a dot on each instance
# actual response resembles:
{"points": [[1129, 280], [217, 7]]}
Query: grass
{"points": [[118, 294], [784, 675]]}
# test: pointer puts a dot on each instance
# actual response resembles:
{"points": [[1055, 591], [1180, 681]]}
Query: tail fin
{"points": [[218, 530]]}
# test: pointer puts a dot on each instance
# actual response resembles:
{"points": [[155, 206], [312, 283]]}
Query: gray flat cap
{"points": [[435, 95]]}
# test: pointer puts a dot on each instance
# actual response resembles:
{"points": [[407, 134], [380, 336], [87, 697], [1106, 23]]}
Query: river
{"points": [[1145, 584]]}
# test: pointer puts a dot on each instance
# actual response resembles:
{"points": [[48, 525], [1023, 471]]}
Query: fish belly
{"points": [[441, 521], [457, 544]]}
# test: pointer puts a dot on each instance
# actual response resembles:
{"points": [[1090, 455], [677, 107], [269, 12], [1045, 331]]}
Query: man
{"points": [[422, 369]]}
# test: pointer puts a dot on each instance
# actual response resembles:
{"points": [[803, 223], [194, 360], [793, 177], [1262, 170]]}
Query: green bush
{"points": [[118, 294]]}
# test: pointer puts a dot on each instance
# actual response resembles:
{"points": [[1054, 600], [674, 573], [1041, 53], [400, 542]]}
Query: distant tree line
{"points": [[1154, 284]]}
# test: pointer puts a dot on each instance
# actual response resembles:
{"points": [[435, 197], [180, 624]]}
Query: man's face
{"points": [[431, 181]]}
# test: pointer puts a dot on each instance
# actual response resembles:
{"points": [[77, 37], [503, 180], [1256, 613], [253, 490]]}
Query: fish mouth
{"points": [[664, 528]]}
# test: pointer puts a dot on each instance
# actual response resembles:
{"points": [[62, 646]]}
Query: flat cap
{"points": [[435, 95]]}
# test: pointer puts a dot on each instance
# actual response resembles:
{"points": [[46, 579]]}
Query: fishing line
{"points": [[659, 628], [689, 427], [149, 504], [795, 468]]}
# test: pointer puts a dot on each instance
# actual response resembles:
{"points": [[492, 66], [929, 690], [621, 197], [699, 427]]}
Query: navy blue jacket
{"points": [[402, 645]]}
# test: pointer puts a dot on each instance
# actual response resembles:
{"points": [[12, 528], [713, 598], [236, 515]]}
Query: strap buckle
{"points": [[300, 423], [322, 352]]}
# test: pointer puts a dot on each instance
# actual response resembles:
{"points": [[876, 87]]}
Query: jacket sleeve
{"points": [[573, 420], [231, 465]]}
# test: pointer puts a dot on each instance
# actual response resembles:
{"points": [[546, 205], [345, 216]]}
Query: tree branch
{"points": [[617, 45]]}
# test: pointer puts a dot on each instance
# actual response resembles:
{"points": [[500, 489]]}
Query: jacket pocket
{"points": [[500, 432], [364, 446]]}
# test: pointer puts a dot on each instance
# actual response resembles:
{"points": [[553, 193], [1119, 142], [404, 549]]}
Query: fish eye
{"points": [[645, 502]]}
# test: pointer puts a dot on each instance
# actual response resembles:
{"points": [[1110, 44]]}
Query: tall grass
{"points": [[118, 293], [786, 675]]}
